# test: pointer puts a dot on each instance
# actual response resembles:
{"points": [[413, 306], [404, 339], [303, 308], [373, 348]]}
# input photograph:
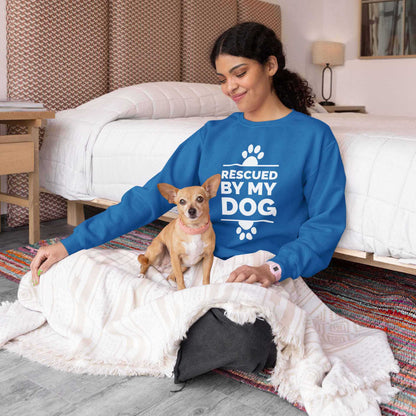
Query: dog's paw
{"points": [[143, 260], [172, 277]]}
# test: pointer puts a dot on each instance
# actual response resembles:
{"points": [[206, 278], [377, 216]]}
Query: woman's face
{"points": [[247, 82]]}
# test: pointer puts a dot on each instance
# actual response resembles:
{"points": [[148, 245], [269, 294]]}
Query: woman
{"points": [[283, 181]]}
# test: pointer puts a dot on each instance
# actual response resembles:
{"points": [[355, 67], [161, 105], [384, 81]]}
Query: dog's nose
{"points": [[192, 212]]}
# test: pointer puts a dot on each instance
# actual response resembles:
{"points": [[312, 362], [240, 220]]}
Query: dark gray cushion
{"points": [[214, 341]]}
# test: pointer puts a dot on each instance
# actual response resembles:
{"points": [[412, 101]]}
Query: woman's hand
{"points": [[250, 274], [45, 258]]}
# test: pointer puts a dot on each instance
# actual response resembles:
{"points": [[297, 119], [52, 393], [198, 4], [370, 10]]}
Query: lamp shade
{"points": [[324, 52]]}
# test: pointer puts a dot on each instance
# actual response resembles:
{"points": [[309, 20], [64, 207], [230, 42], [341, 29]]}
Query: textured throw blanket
{"points": [[94, 313]]}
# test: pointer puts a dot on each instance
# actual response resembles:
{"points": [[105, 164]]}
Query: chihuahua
{"points": [[188, 239]]}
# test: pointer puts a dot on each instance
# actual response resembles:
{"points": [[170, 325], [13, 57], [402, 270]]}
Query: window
{"points": [[388, 28]]}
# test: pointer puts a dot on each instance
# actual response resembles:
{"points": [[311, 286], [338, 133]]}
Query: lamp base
{"points": [[327, 103]]}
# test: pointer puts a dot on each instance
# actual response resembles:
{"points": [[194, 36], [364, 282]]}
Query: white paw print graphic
{"points": [[252, 155], [246, 230]]}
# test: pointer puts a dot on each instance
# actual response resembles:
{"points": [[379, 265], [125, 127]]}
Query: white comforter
{"points": [[106, 146], [379, 155]]}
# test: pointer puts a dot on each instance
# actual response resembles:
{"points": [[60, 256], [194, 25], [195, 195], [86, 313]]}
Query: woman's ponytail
{"points": [[293, 91]]}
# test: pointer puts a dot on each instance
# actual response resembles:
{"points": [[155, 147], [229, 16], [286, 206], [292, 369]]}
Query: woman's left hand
{"points": [[251, 274]]}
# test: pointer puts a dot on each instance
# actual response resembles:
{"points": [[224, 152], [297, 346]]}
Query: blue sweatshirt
{"points": [[282, 190]]}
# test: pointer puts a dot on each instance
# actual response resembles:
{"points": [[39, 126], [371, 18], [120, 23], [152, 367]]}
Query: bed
{"points": [[121, 119]]}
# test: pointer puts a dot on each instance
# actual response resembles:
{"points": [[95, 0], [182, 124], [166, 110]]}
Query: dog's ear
{"points": [[211, 185], [168, 191]]}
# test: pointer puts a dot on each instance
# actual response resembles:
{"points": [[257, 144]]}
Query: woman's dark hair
{"points": [[255, 41]]}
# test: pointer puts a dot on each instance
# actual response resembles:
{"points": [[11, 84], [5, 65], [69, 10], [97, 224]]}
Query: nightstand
{"points": [[345, 108], [20, 154]]}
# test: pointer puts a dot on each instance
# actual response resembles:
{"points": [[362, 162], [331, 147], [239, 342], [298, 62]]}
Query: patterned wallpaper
{"points": [[3, 69]]}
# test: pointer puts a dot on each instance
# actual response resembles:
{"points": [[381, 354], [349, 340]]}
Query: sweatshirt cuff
{"points": [[70, 243]]}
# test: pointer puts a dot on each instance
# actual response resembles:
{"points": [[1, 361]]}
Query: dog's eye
{"points": [[200, 199], [182, 202]]}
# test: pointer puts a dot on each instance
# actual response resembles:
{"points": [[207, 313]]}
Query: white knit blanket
{"points": [[94, 313]]}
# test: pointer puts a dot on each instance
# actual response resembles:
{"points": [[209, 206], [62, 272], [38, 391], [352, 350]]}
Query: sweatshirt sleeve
{"points": [[140, 205], [324, 191]]}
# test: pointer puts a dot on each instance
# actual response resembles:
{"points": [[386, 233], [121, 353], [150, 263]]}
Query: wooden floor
{"points": [[28, 388]]}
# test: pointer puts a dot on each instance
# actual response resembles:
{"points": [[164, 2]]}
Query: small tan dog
{"points": [[188, 239]]}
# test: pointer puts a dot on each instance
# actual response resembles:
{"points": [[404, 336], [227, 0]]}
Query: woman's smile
{"points": [[237, 97]]}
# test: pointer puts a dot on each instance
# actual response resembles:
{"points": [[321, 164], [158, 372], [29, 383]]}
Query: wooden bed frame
{"points": [[371, 259]]}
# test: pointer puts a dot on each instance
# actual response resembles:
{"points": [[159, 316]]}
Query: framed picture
{"points": [[388, 28]]}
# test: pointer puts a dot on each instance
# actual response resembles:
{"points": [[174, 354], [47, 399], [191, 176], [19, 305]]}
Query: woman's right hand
{"points": [[45, 258]]}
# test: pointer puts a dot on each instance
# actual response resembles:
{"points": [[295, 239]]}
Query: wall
{"points": [[384, 86], [302, 22]]}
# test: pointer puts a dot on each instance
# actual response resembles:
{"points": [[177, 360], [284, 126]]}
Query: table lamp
{"points": [[327, 54]]}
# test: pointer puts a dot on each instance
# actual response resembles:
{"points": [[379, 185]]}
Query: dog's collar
{"points": [[193, 231]]}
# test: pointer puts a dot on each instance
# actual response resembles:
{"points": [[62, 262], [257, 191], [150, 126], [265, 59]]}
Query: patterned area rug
{"points": [[368, 296], [15, 263], [375, 298]]}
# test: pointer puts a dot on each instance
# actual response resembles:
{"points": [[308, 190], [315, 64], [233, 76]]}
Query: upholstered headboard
{"points": [[64, 53]]}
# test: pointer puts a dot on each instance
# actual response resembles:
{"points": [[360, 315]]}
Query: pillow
{"points": [[215, 341], [155, 100]]}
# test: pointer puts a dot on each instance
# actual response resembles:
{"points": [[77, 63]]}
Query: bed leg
{"points": [[75, 213]]}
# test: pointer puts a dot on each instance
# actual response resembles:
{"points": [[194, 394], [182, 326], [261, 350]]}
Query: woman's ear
{"points": [[271, 65]]}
